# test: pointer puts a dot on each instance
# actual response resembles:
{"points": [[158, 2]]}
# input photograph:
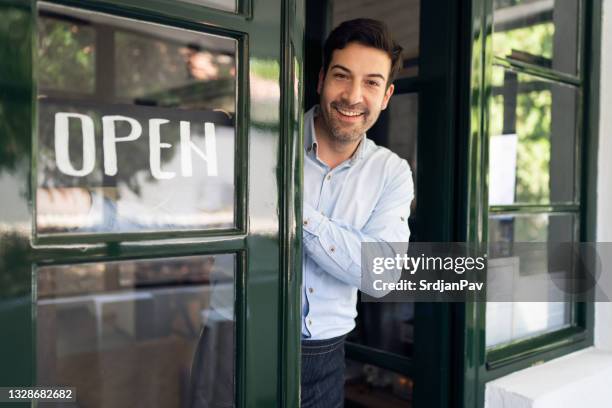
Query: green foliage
{"points": [[265, 69], [533, 153], [15, 87], [535, 40], [66, 55]]}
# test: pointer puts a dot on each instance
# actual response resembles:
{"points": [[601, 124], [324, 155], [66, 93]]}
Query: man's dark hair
{"points": [[368, 32]]}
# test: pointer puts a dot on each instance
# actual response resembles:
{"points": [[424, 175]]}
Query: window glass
{"points": [[136, 126], [401, 16], [129, 333], [532, 150], [367, 385], [515, 274], [66, 50], [508, 321], [509, 228], [541, 32], [385, 326], [226, 5]]}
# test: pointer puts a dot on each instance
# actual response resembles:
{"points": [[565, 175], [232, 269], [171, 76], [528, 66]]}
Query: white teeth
{"points": [[348, 113]]}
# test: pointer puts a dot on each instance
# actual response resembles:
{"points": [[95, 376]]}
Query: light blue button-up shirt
{"points": [[364, 199]]}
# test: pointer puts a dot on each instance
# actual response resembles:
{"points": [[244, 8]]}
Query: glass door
{"points": [[148, 222]]}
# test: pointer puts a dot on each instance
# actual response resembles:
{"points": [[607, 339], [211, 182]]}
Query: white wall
{"points": [[603, 311]]}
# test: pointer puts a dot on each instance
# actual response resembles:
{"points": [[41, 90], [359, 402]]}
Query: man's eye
{"points": [[340, 76], [373, 83]]}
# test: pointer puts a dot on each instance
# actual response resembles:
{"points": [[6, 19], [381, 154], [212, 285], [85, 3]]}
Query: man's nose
{"points": [[353, 93]]}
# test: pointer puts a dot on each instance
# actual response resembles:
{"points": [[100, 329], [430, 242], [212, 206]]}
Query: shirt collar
{"points": [[310, 137]]}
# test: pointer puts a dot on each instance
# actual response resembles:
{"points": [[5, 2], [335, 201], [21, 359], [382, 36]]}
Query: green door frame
{"points": [[268, 276]]}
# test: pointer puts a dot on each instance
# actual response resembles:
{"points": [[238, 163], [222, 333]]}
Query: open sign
{"points": [[95, 141], [110, 140]]}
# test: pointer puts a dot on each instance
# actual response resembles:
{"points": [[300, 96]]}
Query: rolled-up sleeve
{"points": [[336, 246]]}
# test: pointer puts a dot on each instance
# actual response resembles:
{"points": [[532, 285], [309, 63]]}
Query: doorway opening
{"points": [[379, 350]]}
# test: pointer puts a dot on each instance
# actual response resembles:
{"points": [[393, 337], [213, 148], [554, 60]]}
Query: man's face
{"points": [[354, 90]]}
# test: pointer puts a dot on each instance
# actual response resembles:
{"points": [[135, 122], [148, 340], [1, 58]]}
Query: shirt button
{"points": [[309, 322], [305, 222], [329, 176], [310, 290], [332, 248]]}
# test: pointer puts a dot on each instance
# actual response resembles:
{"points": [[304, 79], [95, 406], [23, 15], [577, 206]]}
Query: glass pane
{"points": [[510, 321], [369, 386], [401, 16], [66, 50], [532, 150], [541, 32], [385, 326], [521, 275], [508, 228], [136, 126], [226, 5], [129, 333]]}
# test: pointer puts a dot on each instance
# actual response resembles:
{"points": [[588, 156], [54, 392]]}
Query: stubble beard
{"points": [[344, 134]]}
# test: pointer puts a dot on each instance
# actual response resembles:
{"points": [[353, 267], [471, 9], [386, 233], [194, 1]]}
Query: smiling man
{"points": [[354, 192]]}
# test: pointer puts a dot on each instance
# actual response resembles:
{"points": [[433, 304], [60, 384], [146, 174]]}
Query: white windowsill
{"points": [[580, 379]]}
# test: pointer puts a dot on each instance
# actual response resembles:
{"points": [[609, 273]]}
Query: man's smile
{"points": [[350, 115]]}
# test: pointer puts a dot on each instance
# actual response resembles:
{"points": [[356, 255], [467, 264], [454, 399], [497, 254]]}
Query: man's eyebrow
{"points": [[343, 68]]}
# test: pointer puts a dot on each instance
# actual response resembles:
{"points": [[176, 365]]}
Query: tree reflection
{"points": [[533, 150], [66, 53], [530, 103], [536, 40]]}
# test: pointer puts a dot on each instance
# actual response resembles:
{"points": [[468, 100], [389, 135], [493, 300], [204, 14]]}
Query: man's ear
{"points": [[321, 79], [387, 96]]}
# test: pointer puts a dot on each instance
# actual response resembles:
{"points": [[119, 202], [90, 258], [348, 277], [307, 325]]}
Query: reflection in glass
{"points": [[66, 51], [401, 16], [370, 386], [509, 321], [125, 333], [136, 125], [532, 150], [541, 32], [508, 228], [385, 326], [225, 5]]}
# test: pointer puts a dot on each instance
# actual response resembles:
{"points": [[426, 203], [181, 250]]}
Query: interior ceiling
{"points": [[402, 17]]}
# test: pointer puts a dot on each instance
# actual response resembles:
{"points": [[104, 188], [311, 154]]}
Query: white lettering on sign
{"points": [[62, 152], [155, 146], [110, 141], [187, 146]]}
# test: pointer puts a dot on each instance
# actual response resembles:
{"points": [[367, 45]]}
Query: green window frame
{"points": [[481, 365]]}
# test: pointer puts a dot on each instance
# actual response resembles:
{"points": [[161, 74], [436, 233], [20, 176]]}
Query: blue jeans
{"points": [[323, 373]]}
